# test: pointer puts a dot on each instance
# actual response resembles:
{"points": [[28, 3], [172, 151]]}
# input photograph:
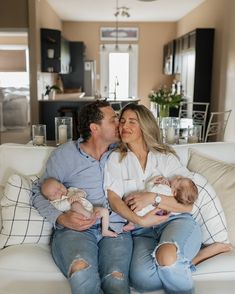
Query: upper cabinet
{"points": [[192, 62], [50, 50], [168, 58]]}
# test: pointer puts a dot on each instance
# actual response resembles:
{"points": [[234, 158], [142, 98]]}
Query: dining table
{"points": [[175, 130]]}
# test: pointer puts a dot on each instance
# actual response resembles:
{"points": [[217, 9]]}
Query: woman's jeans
{"points": [[146, 274], [107, 260]]}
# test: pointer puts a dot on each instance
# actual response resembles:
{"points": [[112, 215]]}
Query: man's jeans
{"points": [[146, 274], [104, 257]]}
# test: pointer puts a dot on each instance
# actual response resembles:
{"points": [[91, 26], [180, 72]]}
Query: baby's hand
{"points": [[161, 180], [80, 193]]}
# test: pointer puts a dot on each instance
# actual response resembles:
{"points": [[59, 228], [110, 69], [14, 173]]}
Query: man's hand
{"points": [[76, 221]]}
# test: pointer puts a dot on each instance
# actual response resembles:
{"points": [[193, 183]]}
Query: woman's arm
{"points": [[137, 201], [120, 207]]}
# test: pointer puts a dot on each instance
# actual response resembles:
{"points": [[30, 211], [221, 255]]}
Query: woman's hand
{"points": [[138, 200], [152, 219]]}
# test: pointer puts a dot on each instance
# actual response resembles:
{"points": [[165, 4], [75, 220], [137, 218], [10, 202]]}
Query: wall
{"points": [[14, 14], [220, 15], [50, 20], [152, 36]]}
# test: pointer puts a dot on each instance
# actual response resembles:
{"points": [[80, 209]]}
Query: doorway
{"points": [[14, 87]]}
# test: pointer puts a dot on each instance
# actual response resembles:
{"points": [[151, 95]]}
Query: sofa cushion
{"points": [[221, 175], [21, 223]]}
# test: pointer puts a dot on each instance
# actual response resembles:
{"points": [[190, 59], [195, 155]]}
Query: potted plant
{"points": [[51, 90], [165, 98]]}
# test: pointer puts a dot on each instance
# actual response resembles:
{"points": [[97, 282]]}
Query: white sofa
{"points": [[29, 268]]}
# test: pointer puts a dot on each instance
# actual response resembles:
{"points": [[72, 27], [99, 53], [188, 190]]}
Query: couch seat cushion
{"points": [[29, 258]]}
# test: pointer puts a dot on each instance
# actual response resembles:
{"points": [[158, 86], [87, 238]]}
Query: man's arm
{"points": [[68, 219]]}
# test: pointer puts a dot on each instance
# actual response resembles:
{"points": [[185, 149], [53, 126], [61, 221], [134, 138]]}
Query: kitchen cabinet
{"points": [[178, 56], [196, 65], [50, 50], [49, 109], [75, 79], [168, 58]]}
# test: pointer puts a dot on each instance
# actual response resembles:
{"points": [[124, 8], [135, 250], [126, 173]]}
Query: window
{"points": [[119, 71]]}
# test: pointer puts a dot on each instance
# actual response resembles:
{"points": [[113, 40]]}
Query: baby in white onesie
{"points": [[74, 199], [183, 189]]}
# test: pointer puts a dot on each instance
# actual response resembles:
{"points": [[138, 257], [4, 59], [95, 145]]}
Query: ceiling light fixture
{"points": [[147, 0], [120, 11]]}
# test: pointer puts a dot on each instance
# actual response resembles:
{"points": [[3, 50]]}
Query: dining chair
{"points": [[197, 111], [217, 125]]}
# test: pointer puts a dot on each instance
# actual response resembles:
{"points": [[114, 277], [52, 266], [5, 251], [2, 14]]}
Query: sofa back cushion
{"points": [[221, 176], [22, 159]]}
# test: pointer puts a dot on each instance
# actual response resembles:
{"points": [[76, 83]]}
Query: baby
{"points": [[183, 189], [74, 199]]}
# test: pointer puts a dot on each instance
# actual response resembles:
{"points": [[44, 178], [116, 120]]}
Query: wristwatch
{"points": [[158, 199]]}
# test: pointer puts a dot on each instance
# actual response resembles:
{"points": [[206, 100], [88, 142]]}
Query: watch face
{"points": [[158, 199]]}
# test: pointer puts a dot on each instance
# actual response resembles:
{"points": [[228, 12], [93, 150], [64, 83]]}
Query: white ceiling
{"points": [[103, 10]]}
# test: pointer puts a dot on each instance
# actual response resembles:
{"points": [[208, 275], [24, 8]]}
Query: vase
{"points": [[163, 110]]}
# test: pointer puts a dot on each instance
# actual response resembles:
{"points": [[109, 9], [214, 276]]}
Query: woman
{"points": [[162, 256]]}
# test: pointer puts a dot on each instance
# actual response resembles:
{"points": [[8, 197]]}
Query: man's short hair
{"points": [[90, 113]]}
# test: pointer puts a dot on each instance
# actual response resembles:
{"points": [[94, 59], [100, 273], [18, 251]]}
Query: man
{"points": [[92, 263]]}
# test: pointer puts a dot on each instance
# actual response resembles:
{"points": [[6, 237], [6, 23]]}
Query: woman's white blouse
{"points": [[126, 176]]}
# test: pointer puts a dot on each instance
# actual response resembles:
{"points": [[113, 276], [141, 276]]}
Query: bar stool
{"points": [[71, 111]]}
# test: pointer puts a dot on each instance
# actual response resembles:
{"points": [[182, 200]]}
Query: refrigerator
{"points": [[89, 77]]}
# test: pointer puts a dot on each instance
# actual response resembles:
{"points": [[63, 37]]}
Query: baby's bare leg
{"points": [[77, 207], [211, 250], [104, 214]]}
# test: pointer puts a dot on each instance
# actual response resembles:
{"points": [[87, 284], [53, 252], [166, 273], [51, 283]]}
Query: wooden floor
{"points": [[22, 135]]}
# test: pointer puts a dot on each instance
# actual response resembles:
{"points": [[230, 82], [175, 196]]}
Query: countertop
{"points": [[69, 98]]}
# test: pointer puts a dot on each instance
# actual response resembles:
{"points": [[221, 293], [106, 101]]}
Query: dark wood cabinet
{"points": [[178, 56], [75, 79], [193, 60], [168, 58], [49, 109], [50, 50]]}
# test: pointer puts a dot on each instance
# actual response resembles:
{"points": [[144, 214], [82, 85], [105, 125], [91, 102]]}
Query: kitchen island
{"points": [[49, 109]]}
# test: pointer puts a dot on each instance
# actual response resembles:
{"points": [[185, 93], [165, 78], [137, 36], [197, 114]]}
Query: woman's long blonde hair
{"points": [[149, 128]]}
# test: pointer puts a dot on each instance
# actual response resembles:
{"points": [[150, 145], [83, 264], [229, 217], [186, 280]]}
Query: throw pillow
{"points": [[21, 222], [221, 176], [208, 212]]}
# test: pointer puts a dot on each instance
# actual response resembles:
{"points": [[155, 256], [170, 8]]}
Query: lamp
{"points": [[120, 11]]}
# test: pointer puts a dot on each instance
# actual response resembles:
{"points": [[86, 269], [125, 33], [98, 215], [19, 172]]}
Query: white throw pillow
{"points": [[221, 176], [21, 222], [208, 212]]}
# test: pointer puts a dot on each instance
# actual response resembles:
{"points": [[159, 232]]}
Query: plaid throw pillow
{"points": [[21, 223], [208, 212]]}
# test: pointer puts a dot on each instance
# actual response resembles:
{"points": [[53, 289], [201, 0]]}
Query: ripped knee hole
{"points": [[78, 265], [118, 275]]}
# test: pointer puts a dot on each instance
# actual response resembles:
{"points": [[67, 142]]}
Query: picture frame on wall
{"points": [[124, 34]]}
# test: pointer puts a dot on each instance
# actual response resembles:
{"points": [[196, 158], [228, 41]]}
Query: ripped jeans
{"points": [[104, 256], [146, 274]]}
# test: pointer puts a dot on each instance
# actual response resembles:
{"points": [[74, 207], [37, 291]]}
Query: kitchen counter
{"points": [[49, 109], [75, 98]]}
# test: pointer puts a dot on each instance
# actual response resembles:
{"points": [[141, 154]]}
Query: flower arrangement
{"points": [[165, 96]]}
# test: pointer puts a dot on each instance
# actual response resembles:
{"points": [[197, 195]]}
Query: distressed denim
{"points": [[103, 255], [145, 273]]}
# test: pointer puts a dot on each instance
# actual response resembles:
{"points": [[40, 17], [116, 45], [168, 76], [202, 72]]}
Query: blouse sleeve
{"points": [[113, 175], [172, 167]]}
